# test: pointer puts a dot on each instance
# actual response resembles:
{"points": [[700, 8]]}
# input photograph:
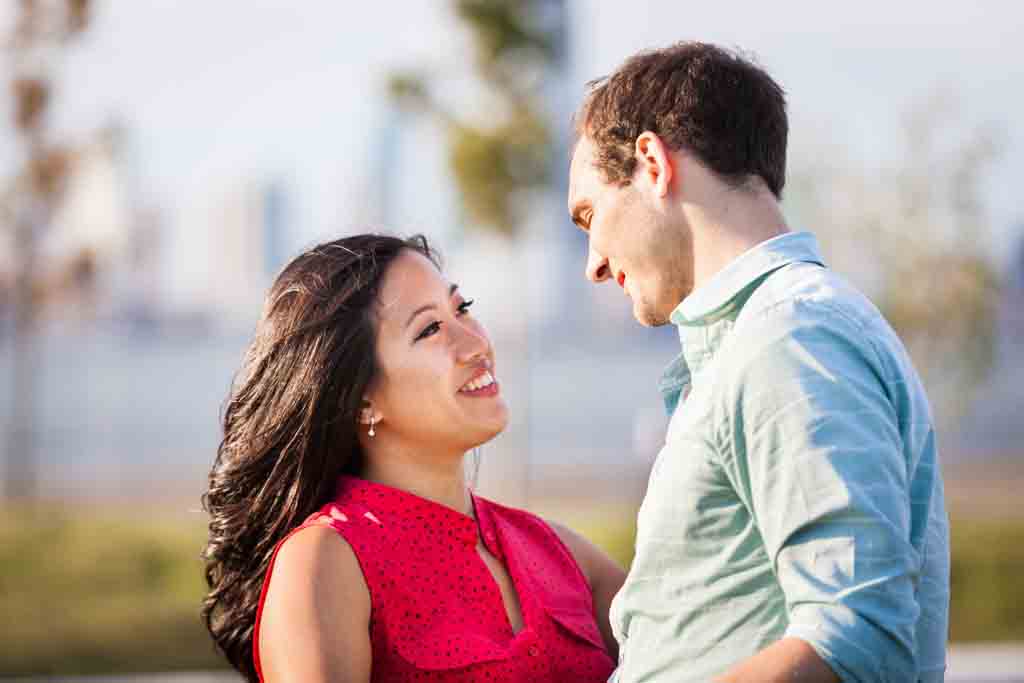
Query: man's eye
{"points": [[429, 331], [465, 306]]}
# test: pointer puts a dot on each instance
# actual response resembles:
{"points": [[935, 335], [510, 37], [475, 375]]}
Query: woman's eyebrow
{"points": [[421, 309]]}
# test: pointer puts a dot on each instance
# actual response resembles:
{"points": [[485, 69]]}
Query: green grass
{"points": [[89, 592], [985, 580]]}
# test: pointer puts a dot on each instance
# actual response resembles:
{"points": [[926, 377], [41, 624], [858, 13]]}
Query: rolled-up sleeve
{"points": [[816, 454]]}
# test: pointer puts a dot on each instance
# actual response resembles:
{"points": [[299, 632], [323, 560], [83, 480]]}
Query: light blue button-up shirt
{"points": [[798, 493]]}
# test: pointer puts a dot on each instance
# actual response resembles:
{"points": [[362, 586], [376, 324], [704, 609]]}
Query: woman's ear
{"points": [[368, 414]]}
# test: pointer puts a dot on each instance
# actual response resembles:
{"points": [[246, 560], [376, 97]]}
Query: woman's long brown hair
{"points": [[290, 422]]}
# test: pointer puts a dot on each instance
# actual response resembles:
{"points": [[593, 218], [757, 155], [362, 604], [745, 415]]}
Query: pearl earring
{"points": [[372, 432]]}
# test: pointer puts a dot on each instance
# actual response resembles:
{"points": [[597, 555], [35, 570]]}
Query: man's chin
{"points": [[649, 318]]}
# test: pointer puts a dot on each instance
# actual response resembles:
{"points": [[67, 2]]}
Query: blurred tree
{"points": [[503, 143], [40, 30], [916, 237], [504, 150]]}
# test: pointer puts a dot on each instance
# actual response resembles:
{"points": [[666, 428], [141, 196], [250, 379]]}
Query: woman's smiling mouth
{"points": [[483, 384]]}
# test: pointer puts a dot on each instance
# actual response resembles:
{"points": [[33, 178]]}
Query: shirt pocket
{"points": [[438, 646], [577, 621]]}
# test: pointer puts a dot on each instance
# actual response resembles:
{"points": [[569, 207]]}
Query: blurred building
{"points": [[994, 429], [103, 239], [1012, 309], [6, 268], [96, 256], [229, 246]]}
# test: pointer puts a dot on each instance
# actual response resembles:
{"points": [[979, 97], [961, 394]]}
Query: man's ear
{"points": [[654, 162]]}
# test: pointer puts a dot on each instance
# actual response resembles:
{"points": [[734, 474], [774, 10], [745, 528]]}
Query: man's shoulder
{"points": [[807, 293], [805, 316]]}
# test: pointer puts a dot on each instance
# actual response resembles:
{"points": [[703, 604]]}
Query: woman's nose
{"points": [[472, 343]]}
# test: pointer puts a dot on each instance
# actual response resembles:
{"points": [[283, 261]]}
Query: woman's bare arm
{"points": [[315, 623]]}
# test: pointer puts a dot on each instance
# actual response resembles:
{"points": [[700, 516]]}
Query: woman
{"points": [[344, 544]]}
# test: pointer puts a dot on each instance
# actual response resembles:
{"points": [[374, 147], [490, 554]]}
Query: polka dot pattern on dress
{"points": [[437, 613]]}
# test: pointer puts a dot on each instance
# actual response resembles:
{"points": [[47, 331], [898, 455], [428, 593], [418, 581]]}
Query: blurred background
{"points": [[161, 160]]}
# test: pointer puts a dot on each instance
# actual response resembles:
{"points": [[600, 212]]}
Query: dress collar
{"points": [[390, 506]]}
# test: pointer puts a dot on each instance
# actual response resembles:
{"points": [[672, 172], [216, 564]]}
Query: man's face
{"points": [[635, 238]]}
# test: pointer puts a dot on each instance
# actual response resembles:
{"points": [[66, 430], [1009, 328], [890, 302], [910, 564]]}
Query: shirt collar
{"points": [[386, 505], [719, 296]]}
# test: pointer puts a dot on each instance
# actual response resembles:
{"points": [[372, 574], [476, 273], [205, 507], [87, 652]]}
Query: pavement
{"points": [[975, 663], [986, 663]]}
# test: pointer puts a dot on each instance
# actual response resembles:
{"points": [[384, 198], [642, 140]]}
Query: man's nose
{"points": [[597, 267]]}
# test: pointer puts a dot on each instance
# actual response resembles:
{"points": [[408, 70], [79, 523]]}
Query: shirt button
{"points": [[534, 651]]}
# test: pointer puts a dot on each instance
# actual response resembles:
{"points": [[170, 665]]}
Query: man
{"points": [[794, 525]]}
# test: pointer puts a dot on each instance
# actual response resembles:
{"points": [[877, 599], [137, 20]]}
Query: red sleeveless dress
{"points": [[436, 611]]}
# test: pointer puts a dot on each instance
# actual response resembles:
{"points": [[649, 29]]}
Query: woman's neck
{"points": [[441, 481]]}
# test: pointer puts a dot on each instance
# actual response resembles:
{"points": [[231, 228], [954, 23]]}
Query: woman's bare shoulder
{"points": [[315, 620]]}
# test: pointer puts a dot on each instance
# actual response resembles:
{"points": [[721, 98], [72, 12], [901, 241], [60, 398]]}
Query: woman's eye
{"points": [[435, 327], [429, 331]]}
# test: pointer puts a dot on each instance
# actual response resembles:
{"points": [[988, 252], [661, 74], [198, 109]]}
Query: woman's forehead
{"points": [[412, 281]]}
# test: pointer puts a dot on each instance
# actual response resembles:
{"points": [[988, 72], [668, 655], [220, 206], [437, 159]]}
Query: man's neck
{"points": [[725, 229]]}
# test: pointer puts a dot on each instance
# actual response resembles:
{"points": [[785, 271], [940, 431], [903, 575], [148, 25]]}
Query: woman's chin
{"points": [[483, 431]]}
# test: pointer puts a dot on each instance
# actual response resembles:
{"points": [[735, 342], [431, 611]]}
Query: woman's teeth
{"points": [[484, 380]]}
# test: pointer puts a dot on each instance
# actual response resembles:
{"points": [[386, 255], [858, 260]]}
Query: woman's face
{"points": [[437, 385]]}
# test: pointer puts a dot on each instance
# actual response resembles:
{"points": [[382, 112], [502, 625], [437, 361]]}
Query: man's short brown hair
{"points": [[702, 98]]}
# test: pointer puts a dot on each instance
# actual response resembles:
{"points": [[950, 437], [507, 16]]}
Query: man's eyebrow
{"points": [[451, 291]]}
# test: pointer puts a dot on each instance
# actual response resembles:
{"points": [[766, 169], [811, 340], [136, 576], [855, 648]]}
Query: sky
{"points": [[216, 93]]}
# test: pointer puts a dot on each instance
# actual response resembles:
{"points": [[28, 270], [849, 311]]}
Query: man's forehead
{"points": [[579, 177], [582, 155]]}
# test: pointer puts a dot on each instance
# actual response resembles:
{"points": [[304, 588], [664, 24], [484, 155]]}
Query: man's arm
{"points": [[789, 659], [818, 459]]}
